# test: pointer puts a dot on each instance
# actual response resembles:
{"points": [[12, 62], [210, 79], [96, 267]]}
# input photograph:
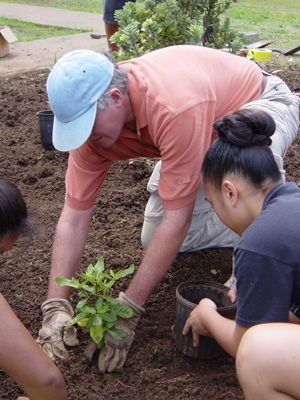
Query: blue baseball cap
{"points": [[74, 85]]}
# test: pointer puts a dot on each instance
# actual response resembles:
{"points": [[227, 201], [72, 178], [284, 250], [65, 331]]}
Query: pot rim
{"points": [[45, 112], [216, 285]]}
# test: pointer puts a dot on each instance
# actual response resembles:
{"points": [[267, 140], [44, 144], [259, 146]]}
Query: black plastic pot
{"points": [[46, 118], [188, 295]]}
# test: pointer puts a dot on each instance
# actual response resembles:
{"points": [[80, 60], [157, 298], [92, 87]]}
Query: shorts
{"points": [[109, 8], [278, 101], [206, 230]]}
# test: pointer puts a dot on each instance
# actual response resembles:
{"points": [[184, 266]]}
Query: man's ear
{"points": [[116, 96], [230, 192]]}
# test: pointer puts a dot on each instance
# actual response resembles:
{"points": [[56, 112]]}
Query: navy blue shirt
{"points": [[267, 260]]}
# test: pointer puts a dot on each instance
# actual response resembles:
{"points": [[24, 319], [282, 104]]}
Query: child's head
{"points": [[239, 168], [13, 215], [242, 149]]}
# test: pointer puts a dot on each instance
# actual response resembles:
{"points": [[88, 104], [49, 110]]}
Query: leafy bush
{"points": [[147, 25], [97, 311]]}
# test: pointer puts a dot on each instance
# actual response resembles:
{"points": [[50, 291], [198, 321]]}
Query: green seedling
{"points": [[97, 310]]}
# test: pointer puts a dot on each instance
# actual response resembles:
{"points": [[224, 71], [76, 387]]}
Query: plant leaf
{"points": [[87, 278], [124, 272], [89, 322], [103, 309], [99, 303], [117, 333], [82, 322], [97, 333], [88, 310], [103, 275], [99, 268], [110, 284], [101, 343], [80, 304], [78, 317], [97, 320], [109, 325], [109, 317], [90, 271], [122, 310], [88, 288], [67, 282], [110, 299]]}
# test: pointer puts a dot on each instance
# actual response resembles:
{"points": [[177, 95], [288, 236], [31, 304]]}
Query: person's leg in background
{"points": [[110, 23], [110, 29]]}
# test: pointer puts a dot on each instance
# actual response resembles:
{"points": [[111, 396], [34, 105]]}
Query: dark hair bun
{"points": [[246, 128]]}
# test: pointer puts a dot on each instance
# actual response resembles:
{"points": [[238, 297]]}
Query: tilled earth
{"points": [[155, 369]]}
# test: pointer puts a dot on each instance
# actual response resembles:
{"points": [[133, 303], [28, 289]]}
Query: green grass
{"points": [[26, 31], [92, 6], [271, 19]]}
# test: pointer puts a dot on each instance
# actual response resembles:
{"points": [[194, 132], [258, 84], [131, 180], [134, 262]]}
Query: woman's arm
{"points": [[205, 320], [23, 360]]}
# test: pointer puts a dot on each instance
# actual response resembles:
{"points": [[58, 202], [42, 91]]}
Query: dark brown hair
{"points": [[13, 210]]}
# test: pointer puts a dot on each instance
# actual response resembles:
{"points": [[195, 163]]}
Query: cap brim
{"points": [[68, 136]]}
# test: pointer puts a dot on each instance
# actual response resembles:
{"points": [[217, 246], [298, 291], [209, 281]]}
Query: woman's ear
{"points": [[230, 192]]}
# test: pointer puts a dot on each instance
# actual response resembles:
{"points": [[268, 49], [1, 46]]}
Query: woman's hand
{"points": [[197, 320]]}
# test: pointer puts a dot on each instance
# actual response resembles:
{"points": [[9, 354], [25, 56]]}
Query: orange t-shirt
{"points": [[176, 93]]}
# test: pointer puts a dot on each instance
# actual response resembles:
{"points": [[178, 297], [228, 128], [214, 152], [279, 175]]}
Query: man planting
{"points": [[163, 104]]}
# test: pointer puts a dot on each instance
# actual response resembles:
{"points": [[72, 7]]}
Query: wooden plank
{"points": [[292, 50], [259, 44]]}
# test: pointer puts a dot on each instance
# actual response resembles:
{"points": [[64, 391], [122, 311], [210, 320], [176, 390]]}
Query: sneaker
{"points": [[230, 282]]}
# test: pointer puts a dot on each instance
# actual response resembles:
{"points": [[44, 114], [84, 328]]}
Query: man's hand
{"points": [[54, 334], [114, 352], [196, 320]]}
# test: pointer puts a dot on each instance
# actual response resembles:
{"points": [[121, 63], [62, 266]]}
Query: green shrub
{"points": [[147, 25]]}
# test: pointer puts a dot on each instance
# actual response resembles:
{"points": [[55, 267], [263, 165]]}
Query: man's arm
{"points": [[160, 253], [70, 239]]}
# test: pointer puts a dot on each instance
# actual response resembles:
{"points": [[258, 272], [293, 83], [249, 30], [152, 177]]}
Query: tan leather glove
{"points": [[54, 334], [114, 352]]}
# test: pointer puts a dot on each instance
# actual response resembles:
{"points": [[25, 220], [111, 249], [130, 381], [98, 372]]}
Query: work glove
{"points": [[54, 334], [114, 352]]}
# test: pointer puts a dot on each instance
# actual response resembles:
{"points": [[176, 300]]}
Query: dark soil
{"points": [[155, 369]]}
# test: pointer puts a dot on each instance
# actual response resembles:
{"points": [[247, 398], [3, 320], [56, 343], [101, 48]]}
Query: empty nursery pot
{"points": [[46, 118], [188, 295]]}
